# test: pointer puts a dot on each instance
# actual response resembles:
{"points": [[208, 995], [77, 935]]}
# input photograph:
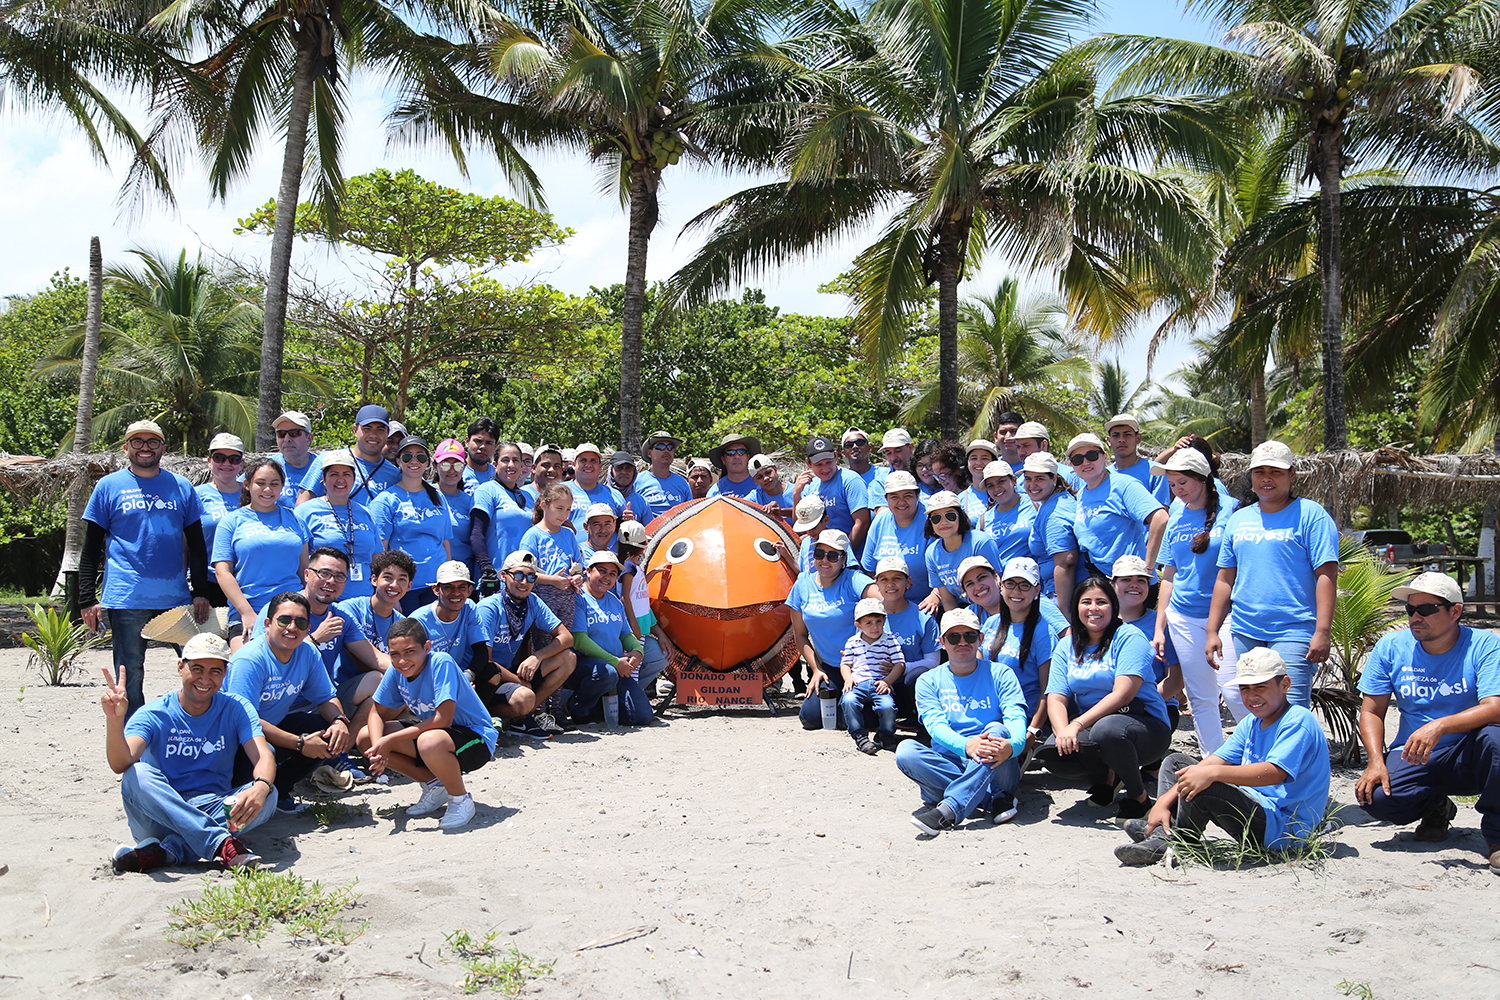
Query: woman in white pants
{"points": [[1189, 560]]}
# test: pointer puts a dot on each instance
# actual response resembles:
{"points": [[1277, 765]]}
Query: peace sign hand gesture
{"points": [[114, 700]]}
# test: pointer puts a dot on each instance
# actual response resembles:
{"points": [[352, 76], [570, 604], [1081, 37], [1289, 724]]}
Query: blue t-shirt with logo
{"points": [[495, 630], [942, 565], [662, 493], [1051, 534], [1110, 520], [370, 479], [843, 496], [974, 500], [273, 687], [145, 565], [887, 538], [1157, 486], [1193, 582], [456, 638], [412, 522], [361, 613], [584, 499], [1296, 744], [605, 622], [1011, 530], [510, 518], [1044, 637], [956, 709], [292, 476], [782, 499], [554, 553], [1275, 558], [264, 551], [1088, 681], [874, 480], [723, 486], [638, 506], [439, 681], [916, 632], [348, 528], [217, 505], [195, 753], [457, 506], [1428, 687], [828, 613]]}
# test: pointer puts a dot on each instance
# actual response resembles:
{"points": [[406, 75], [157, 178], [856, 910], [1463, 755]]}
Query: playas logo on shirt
{"points": [[192, 747], [1253, 535], [1422, 687], [952, 701], [278, 688], [136, 499]]}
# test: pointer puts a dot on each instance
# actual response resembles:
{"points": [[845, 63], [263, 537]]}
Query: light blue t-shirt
{"points": [[217, 505], [473, 480], [662, 494], [956, 709], [1296, 744], [370, 479], [636, 505], [495, 630], [887, 538], [974, 500], [1193, 583], [916, 632], [1044, 637], [264, 550], [584, 499], [292, 478], [411, 522], [1088, 681], [1428, 687], [1146, 626], [828, 613], [457, 506], [1051, 535], [361, 613], [1157, 486], [1276, 556], [874, 480], [273, 687], [782, 499], [554, 553], [439, 681], [724, 487], [348, 528], [331, 651], [844, 495], [1010, 529], [509, 513], [145, 565], [604, 622], [1110, 520], [942, 565], [456, 638], [195, 753]]}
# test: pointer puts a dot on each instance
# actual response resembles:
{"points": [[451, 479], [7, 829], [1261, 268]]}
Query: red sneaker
{"points": [[146, 858], [234, 854]]}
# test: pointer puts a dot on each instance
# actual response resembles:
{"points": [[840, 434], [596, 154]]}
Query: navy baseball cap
{"points": [[819, 448], [372, 414]]}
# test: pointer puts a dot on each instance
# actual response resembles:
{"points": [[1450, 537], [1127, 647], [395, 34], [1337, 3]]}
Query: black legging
{"points": [[1222, 803], [1118, 743]]}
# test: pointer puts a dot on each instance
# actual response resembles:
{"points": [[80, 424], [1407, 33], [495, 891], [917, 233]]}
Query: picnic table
{"points": [[1441, 561]]}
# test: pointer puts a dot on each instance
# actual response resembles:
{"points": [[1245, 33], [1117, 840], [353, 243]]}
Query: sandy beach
{"points": [[748, 858]]}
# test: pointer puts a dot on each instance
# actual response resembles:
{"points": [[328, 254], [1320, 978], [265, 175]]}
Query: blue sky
{"points": [[54, 197]]}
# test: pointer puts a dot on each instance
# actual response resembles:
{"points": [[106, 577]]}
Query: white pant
{"points": [[1204, 684]]}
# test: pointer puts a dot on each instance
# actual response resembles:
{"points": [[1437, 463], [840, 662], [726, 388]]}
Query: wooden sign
{"points": [[708, 687]]}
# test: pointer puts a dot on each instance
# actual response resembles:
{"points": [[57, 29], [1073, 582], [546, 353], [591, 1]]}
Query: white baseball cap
{"points": [[1024, 568], [981, 443], [633, 533], [973, 563], [525, 449], [998, 468], [603, 557], [1040, 461], [834, 539], [898, 481], [598, 510], [1184, 460], [896, 437], [205, 646], [958, 618], [1273, 454], [810, 510], [340, 456], [227, 441], [892, 564], [1032, 429], [1130, 565], [869, 606], [758, 462], [1439, 585], [520, 559], [453, 571], [942, 499], [1085, 438], [297, 417], [1122, 419], [588, 448], [853, 432], [1259, 665], [144, 427]]}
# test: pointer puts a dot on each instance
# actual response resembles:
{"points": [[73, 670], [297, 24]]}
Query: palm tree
{"points": [[1110, 392], [1014, 354], [1367, 79], [190, 363], [957, 121], [635, 85]]}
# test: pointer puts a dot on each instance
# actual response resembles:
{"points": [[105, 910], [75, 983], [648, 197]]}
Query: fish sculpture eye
{"points": [[680, 550], [766, 549]]}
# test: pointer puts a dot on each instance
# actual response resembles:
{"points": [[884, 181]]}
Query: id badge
{"points": [[356, 572]]}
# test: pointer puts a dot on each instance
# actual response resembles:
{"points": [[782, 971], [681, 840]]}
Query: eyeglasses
{"points": [[1426, 610], [1016, 584], [144, 444], [1092, 455], [966, 638], [522, 576], [827, 555], [736, 451], [330, 574], [663, 446], [290, 432], [223, 459], [942, 515], [298, 620], [414, 456]]}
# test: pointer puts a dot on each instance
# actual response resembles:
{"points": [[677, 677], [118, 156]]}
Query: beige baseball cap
{"points": [[205, 646], [1439, 585], [1259, 665], [453, 571]]}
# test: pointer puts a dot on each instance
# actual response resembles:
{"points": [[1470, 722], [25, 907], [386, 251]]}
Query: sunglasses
{"points": [[1426, 610], [330, 574], [857, 443], [1092, 455], [450, 463], [736, 451], [298, 620], [414, 456], [965, 638], [663, 446], [290, 432], [942, 515], [223, 459], [827, 555], [522, 577]]}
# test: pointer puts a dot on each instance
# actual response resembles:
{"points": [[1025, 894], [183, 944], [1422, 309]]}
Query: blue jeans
{"points": [[1297, 667], [592, 679], [852, 705], [188, 829], [1469, 765], [965, 784], [129, 649], [653, 663]]}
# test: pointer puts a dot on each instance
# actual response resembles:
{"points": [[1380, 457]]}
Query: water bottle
{"points": [[828, 700], [611, 711]]}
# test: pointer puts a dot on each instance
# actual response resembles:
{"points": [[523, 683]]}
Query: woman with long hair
{"points": [[1020, 629], [952, 540], [219, 497], [260, 548], [1051, 542], [559, 565], [458, 503], [410, 516], [339, 521]]}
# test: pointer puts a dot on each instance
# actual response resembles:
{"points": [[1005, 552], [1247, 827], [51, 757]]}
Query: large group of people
{"points": [[980, 608]]}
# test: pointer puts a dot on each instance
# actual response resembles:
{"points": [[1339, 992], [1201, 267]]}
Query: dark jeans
{"points": [[1470, 765], [591, 680], [291, 766], [129, 649], [1118, 743], [1222, 803]]}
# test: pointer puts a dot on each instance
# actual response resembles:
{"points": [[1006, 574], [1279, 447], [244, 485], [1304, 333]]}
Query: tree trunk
{"points": [[1330, 262], [273, 333], [643, 216], [951, 239], [1258, 430], [83, 423]]}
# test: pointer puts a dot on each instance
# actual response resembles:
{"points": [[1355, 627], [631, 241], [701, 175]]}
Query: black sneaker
{"points": [[866, 745], [1003, 809], [1103, 793], [932, 820], [145, 858], [1434, 826], [548, 722], [1134, 808], [529, 728], [887, 741], [1136, 828], [1147, 852]]}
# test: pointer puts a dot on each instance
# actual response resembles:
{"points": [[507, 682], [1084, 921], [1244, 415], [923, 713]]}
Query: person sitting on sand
{"points": [[175, 757], [976, 714], [1267, 785], [872, 664], [359, 675], [510, 622], [452, 736], [1445, 678]]}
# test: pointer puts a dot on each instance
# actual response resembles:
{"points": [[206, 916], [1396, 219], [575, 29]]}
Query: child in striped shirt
{"points": [[872, 662]]}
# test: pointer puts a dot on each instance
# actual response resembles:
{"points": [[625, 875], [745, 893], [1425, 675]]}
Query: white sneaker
{"points": [[460, 811], [434, 797]]}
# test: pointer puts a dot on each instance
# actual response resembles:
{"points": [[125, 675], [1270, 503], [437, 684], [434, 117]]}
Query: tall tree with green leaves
{"points": [[1368, 80], [959, 123]]}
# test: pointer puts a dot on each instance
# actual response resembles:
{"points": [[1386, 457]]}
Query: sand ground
{"points": [[750, 858]]}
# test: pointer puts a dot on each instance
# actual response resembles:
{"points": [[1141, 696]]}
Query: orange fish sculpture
{"points": [[718, 584]]}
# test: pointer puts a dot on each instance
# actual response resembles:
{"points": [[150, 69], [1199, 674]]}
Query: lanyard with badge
{"points": [[356, 569]]}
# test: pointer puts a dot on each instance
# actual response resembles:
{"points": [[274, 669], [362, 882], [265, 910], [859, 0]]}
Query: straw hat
{"points": [[177, 625]]}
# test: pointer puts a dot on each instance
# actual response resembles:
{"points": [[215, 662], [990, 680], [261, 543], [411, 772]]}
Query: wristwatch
{"points": [[301, 740]]}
